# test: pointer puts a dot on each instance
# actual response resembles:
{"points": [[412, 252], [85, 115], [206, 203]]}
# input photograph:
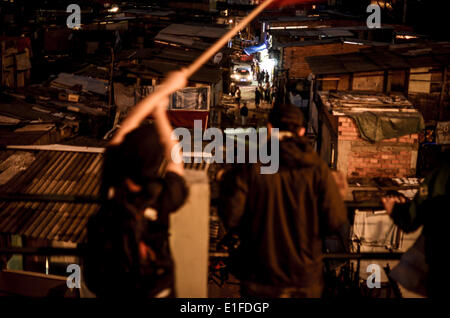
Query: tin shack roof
{"points": [[52, 170], [196, 36], [339, 102], [200, 31], [52, 173], [160, 69], [382, 58]]}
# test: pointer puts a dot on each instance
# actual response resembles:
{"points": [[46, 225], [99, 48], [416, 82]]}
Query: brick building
{"points": [[293, 55], [347, 138], [395, 157]]}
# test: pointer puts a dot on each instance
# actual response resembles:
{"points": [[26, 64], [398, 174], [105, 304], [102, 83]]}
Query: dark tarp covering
{"points": [[376, 126]]}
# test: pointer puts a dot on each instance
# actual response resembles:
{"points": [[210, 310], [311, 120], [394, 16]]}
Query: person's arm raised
{"points": [[175, 81], [172, 151]]}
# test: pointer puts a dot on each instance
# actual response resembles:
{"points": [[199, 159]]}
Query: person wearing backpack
{"points": [[128, 253]]}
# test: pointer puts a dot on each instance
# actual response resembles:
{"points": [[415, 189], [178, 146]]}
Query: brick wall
{"points": [[294, 57], [396, 157]]}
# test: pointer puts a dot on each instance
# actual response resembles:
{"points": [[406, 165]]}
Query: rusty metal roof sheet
{"points": [[382, 58], [194, 31], [55, 173], [353, 100]]}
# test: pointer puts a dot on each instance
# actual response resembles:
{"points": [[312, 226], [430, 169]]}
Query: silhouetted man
{"points": [[282, 218]]}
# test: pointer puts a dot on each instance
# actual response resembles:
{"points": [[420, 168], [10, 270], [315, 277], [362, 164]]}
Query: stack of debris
{"points": [[15, 53]]}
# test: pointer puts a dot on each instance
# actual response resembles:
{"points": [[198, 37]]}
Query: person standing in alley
{"points": [[282, 218], [261, 92], [260, 77], [267, 92], [256, 69], [267, 77], [244, 114], [232, 89], [257, 97], [238, 96], [274, 94]]}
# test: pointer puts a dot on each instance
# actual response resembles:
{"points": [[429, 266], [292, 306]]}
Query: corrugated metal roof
{"points": [[325, 32], [53, 173], [199, 37], [193, 31], [60, 173], [160, 69], [382, 58], [183, 40], [10, 137], [351, 101], [159, 13], [290, 19], [24, 111], [337, 32]]}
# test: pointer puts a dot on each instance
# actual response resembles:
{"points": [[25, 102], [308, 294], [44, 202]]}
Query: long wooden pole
{"points": [[145, 107]]}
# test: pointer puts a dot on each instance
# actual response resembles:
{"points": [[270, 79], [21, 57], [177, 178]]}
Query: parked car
{"points": [[242, 75]]}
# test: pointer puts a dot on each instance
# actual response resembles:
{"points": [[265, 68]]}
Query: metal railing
{"points": [[79, 251]]}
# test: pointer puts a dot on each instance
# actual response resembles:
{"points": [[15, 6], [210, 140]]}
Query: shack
{"points": [[147, 68], [365, 134], [419, 71]]}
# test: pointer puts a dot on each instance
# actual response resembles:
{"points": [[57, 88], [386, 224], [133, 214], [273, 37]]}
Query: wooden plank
{"points": [[368, 83], [339, 112], [419, 80], [441, 96]]}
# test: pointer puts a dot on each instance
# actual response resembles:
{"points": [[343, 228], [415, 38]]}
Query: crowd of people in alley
{"points": [[263, 95], [266, 93]]}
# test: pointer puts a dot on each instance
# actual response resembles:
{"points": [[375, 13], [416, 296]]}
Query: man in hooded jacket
{"points": [[282, 218]]}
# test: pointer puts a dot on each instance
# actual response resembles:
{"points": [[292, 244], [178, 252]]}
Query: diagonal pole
{"points": [[145, 107]]}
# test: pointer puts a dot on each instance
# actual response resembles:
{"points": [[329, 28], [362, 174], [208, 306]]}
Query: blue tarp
{"points": [[257, 48]]}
